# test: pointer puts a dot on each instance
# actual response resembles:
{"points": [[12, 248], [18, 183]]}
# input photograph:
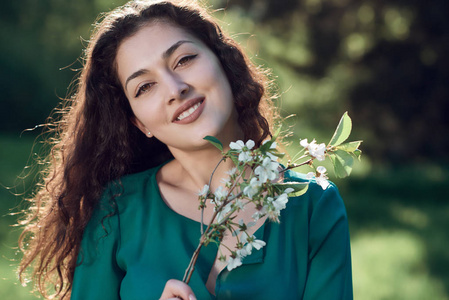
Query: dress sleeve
{"points": [[97, 275], [329, 266]]}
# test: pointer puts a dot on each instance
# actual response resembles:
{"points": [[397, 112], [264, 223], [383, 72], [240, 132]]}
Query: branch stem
{"points": [[210, 182]]}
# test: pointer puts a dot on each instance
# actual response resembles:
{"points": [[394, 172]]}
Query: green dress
{"points": [[131, 254]]}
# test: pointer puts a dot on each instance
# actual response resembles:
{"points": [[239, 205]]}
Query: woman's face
{"points": [[176, 87]]}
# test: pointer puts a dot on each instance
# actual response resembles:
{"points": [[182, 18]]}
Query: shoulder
{"points": [[117, 195], [319, 213], [123, 190], [129, 184], [137, 179]]}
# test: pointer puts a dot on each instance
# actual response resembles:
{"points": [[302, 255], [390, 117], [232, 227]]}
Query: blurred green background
{"points": [[385, 62]]}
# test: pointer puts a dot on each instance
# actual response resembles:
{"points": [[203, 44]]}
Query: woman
{"points": [[117, 216]]}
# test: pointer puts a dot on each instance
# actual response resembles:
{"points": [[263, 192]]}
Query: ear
{"points": [[136, 122]]}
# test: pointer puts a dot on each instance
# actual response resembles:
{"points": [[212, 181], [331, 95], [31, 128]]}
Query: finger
{"points": [[177, 289]]}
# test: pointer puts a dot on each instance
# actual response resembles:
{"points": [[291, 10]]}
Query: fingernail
{"points": [[191, 297]]}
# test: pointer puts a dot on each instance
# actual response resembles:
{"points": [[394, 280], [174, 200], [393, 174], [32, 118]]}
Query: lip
{"points": [[185, 107]]}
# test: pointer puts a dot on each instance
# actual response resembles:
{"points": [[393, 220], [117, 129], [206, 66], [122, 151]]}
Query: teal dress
{"points": [[131, 254]]}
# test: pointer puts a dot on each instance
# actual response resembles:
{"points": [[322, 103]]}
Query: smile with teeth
{"points": [[188, 112]]}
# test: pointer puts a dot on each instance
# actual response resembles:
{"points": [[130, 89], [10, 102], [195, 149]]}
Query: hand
{"points": [[175, 289]]}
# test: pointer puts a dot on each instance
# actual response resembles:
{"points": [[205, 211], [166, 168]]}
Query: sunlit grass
{"points": [[391, 265], [14, 156], [10, 287]]}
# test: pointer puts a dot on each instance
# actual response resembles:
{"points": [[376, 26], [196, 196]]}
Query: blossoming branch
{"points": [[256, 180]]}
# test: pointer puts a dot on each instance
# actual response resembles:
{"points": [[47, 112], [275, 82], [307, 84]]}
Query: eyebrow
{"points": [[165, 55]]}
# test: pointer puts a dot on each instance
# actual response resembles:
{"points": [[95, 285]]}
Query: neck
{"points": [[195, 168]]}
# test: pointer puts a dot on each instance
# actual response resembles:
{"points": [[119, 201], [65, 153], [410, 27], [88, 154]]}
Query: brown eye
{"points": [[144, 88], [185, 60]]}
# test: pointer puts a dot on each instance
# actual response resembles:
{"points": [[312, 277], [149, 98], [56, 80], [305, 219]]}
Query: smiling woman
{"points": [[176, 87], [116, 215]]}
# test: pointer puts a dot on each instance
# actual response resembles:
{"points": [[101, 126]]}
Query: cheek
{"points": [[145, 111], [217, 81], [211, 74], [219, 77]]}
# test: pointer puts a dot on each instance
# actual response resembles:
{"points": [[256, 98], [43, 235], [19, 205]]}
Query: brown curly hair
{"points": [[97, 143]]}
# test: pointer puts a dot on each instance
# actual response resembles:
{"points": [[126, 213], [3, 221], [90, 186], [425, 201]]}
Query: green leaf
{"points": [[358, 154], [278, 154], [266, 147], [276, 134], [214, 141], [343, 162], [343, 130], [235, 159], [349, 147], [299, 188], [243, 185]]}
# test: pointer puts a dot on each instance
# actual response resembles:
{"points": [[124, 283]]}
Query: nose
{"points": [[177, 88]]}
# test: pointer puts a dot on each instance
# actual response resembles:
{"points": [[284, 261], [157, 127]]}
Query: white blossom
{"points": [[316, 150], [234, 262], [321, 180], [253, 188], [280, 202], [260, 213], [310, 175], [269, 154], [238, 204], [273, 214], [251, 242], [244, 149], [204, 190], [232, 171], [270, 210], [223, 212], [227, 182], [304, 143], [268, 170], [250, 224], [242, 226], [289, 190], [237, 145], [242, 252], [321, 170], [272, 156], [273, 207], [220, 195]]}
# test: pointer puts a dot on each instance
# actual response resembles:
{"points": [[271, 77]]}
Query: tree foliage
{"points": [[384, 61]]}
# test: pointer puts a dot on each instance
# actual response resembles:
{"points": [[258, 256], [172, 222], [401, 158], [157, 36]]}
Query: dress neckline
{"points": [[255, 257]]}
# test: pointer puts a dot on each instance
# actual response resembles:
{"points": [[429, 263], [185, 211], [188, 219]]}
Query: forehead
{"points": [[148, 44], [157, 32]]}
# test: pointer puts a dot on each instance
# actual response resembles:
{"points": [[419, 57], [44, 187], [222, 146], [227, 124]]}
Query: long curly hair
{"points": [[97, 143]]}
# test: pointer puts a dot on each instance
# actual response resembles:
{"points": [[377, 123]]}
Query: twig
{"points": [[210, 182], [292, 166]]}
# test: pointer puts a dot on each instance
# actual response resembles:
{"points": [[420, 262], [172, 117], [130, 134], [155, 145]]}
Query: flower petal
{"points": [[321, 170], [304, 143], [237, 145]]}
